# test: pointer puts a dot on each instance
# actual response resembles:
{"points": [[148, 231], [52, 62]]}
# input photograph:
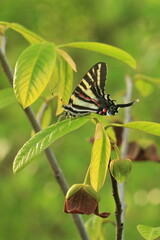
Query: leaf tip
{"points": [[15, 170]]}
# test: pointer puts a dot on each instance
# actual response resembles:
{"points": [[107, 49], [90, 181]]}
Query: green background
{"points": [[31, 202]]}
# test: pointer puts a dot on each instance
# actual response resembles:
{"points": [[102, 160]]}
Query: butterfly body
{"points": [[89, 96]]}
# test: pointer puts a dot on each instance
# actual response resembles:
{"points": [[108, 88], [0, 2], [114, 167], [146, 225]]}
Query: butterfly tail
{"points": [[127, 104]]}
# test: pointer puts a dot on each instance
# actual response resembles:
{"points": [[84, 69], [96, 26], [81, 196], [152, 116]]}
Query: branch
{"points": [[124, 148], [57, 171], [118, 188], [119, 223]]}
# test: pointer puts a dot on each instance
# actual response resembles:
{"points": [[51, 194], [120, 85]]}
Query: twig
{"points": [[49, 154], [119, 223], [124, 148]]}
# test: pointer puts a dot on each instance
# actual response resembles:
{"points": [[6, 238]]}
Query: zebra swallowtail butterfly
{"points": [[89, 96]]}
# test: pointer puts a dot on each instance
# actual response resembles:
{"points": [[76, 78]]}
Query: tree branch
{"points": [[124, 148], [119, 223], [57, 171], [118, 188]]}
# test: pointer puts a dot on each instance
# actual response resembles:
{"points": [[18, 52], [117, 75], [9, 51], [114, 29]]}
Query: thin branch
{"points": [[57, 171], [124, 148], [119, 223]]}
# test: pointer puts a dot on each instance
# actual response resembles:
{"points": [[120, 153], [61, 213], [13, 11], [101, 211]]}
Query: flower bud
{"points": [[120, 169], [83, 199]]}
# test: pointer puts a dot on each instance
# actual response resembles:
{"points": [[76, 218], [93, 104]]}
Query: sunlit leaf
{"points": [[7, 97], [105, 49], [40, 141], [100, 158], [147, 127], [30, 36], [33, 71], [52, 88], [111, 133], [65, 84], [67, 58], [149, 233]]}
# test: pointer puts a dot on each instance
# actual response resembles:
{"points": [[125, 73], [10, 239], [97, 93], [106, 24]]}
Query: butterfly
{"points": [[89, 96]]}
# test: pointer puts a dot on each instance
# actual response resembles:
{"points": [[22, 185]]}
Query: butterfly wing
{"points": [[84, 99]]}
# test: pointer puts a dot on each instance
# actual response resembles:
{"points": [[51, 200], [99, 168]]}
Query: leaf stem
{"points": [[117, 151], [57, 171], [87, 175]]}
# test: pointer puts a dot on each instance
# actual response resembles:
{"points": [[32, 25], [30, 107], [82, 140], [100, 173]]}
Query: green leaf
{"points": [[52, 88], [105, 49], [27, 34], [67, 58], [40, 141], [100, 158], [94, 227], [7, 97], [147, 127], [65, 84], [111, 133], [149, 233], [33, 71]]}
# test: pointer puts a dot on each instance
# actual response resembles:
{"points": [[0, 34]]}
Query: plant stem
{"points": [[119, 223], [57, 171], [124, 148], [118, 188]]}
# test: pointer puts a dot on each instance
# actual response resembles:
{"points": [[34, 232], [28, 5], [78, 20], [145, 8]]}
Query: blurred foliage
{"points": [[31, 202]]}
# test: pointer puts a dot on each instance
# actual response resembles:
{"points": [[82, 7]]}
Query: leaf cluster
{"points": [[43, 66]]}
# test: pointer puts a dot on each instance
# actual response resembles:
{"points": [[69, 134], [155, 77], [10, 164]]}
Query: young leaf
{"points": [[147, 127], [96, 227], [100, 158], [95, 223], [7, 97], [40, 141], [105, 49], [52, 88], [67, 58], [65, 84], [149, 233], [30, 36], [33, 71], [111, 133]]}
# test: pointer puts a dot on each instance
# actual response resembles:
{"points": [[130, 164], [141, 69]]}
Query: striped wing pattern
{"points": [[85, 98]]}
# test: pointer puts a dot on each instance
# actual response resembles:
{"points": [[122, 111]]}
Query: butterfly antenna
{"points": [[60, 99]]}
